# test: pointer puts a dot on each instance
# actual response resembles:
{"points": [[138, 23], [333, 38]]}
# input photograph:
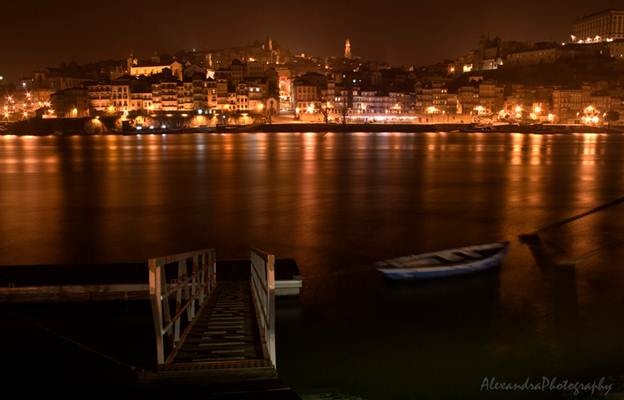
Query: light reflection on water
{"points": [[337, 203]]}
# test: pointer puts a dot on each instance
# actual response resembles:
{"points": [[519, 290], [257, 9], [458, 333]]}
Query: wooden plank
{"points": [[74, 293]]}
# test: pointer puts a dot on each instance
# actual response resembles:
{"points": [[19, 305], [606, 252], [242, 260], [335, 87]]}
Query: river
{"points": [[337, 203]]}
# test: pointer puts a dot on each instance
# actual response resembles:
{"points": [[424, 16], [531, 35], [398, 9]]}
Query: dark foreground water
{"points": [[337, 203]]}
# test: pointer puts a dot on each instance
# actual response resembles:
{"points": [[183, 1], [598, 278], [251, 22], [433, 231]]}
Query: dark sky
{"points": [[34, 34]]}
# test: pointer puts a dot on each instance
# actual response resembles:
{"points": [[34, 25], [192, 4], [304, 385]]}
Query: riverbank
{"points": [[441, 127], [87, 126]]}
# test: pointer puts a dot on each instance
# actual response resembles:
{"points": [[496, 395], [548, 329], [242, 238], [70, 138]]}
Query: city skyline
{"points": [[400, 34]]}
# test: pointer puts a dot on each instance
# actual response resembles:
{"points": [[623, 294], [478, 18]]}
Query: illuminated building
{"points": [[491, 96], [154, 66], [257, 91], [468, 99], [165, 96], [285, 87], [71, 103], [435, 94], [120, 95], [569, 104], [140, 101], [534, 57], [370, 102], [58, 79], [237, 72], [100, 96], [185, 96], [242, 97], [308, 91], [605, 25]]}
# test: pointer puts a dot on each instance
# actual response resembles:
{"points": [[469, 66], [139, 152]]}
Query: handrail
{"points": [[193, 288], [263, 292]]}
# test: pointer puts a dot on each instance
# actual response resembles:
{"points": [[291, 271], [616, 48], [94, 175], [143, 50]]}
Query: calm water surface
{"points": [[337, 203]]}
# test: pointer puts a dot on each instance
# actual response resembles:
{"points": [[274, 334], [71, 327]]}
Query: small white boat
{"points": [[464, 260]]}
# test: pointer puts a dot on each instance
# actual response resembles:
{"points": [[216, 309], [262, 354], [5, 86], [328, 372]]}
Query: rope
{"points": [[368, 268], [88, 349], [597, 250], [579, 216], [527, 237]]}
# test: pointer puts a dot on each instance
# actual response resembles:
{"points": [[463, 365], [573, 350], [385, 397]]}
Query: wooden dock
{"points": [[214, 322], [216, 334], [112, 282]]}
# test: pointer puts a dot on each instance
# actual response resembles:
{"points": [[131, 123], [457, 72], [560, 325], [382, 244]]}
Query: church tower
{"points": [[347, 50]]}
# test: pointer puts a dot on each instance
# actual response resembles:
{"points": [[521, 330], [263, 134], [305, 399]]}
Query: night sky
{"points": [[34, 34]]}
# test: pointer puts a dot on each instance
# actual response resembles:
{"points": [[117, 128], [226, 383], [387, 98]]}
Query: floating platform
{"points": [[117, 281]]}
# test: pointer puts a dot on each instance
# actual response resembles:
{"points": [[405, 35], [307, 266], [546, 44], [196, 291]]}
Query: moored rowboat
{"points": [[459, 261]]}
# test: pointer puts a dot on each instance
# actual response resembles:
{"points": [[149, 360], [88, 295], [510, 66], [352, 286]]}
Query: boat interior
{"points": [[444, 258]]}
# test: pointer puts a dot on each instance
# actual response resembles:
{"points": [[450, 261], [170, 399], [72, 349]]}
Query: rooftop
{"points": [[599, 13]]}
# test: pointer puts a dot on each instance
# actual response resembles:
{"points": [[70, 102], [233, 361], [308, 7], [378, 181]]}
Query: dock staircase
{"points": [[214, 333]]}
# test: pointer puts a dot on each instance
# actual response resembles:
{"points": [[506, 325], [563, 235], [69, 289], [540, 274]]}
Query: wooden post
{"points": [[212, 274], [165, 301], [195, 275], [155, 295], [181, 265], [202, 278], [270, 270], [263, 291], [186, 294]]}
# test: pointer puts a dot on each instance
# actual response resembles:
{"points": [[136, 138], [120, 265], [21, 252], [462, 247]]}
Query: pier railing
{"points": [[186, 292], [263, 292]]}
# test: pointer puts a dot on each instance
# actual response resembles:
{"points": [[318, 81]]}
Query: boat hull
{"points": [[448, 270]]}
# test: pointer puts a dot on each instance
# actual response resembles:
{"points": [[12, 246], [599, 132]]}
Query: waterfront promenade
{"points": [[83, 126]]}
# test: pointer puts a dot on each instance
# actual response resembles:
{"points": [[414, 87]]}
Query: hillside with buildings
{"points": [[572, 82]]}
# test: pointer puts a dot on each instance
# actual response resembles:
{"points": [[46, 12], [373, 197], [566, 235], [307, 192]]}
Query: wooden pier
{"points": [[111, 282], [216, 334], [213, 322]]}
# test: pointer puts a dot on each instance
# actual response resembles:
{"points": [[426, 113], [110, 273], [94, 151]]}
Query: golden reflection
{"points": [[395, 143], [516, 148], [586, 186], [309, 142], [478, 148], [19, 156], [200, 146], [589, 148], [536, 149], [228, 147], [153, 147], [360, 140]]}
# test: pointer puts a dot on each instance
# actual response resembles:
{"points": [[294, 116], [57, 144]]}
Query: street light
{"points": [[480, 110], [431, 110]]}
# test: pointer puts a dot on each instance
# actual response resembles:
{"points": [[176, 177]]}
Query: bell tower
{"points": [[347, 49]]}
